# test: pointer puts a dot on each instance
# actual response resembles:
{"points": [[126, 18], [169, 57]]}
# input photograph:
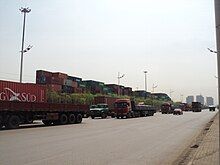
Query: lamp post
{"points": [[23, 10], [145, 84], [153, 87], [119, 77], [217, 25], [171, 93]]}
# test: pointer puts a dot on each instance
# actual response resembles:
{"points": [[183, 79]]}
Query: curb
{"points": [[186, 157]]}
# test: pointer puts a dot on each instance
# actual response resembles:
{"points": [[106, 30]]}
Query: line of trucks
{"points": [[21, 103], [168, 108]]}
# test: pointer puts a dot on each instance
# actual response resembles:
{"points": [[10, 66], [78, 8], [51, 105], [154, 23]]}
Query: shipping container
{"points": [[56, 80], [54, 87], [77, 79], [67, 89], [68, 82], [43, 77], [60, 75], [26, 92]]}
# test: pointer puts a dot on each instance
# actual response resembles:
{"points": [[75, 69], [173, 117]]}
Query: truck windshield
{"points": [[121, 105]]}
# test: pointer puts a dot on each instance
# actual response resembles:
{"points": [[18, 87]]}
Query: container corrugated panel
{"points": [[74, 84], [67, 89], [54, 87], [77, 79], [77, 90], [43, 73], [25, 92], [68, 82], [60, 75], [57, 80]]}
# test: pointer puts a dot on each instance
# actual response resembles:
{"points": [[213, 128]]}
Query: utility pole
{"points": [[119, 77], [217, 25], [145, 84], [23, 10], [171, 93], [153, 87]]}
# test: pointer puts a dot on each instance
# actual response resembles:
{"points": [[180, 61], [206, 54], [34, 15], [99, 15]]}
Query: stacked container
{"points": [[127, 91]]}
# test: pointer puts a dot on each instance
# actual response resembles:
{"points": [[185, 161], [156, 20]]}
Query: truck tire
{"points": [[93, 117], [78, 118], [128, 115], [103, 115], [13, 122], [72, 119], [47, 122], [1, 122], [63, 119]]}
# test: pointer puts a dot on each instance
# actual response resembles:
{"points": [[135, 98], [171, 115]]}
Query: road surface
{"points": [[150, 140]]}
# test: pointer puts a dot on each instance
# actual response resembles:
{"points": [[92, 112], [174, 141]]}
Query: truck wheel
{"points": [[63, 119], [72, 119], [117, 117], [13, 122], [47, 122], [128, 115], [93, 117], [1, 122], [79, 118], [103, 115]]}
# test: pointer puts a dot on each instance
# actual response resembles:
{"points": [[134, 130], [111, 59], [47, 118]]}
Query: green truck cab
{"points": [[99, 110]]}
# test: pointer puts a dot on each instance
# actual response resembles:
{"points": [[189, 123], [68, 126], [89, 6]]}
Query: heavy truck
{"points": [[166, 108], [196, 107], [126, 108], [21, 103]]}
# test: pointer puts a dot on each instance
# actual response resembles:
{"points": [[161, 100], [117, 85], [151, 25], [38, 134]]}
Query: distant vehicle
{"points": [[178, 111], [212, 108], [196, 107], [99, 110], [166, 108], [127, 108], [184, 106]]}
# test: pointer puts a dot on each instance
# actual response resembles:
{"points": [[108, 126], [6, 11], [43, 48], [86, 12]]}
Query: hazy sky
{"points": [[96, 39]]}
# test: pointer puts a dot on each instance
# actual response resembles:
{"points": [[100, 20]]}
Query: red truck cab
{"points": [[122, 107]]}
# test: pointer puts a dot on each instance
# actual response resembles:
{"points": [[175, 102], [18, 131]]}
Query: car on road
{"points": [[99, 110], [178, 111]]}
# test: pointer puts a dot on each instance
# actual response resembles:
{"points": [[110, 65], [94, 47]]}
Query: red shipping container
{"points": [[54, 87], [56, 80], [77, 90], [43, 73], [60, 75], [25, 92], [75, 84]]}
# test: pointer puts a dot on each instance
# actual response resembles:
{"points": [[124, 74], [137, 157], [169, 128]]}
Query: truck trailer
{"points": [[127, 108], [21, 103]]}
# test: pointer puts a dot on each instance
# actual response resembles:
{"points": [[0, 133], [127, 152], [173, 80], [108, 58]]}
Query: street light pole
{"points": [[153, 87], [119, 77], [217, 25], [23, 10], [145, 84], [171, 93]]}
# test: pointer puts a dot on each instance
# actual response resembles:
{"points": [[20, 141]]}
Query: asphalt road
{"points": [[150, 140]]}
